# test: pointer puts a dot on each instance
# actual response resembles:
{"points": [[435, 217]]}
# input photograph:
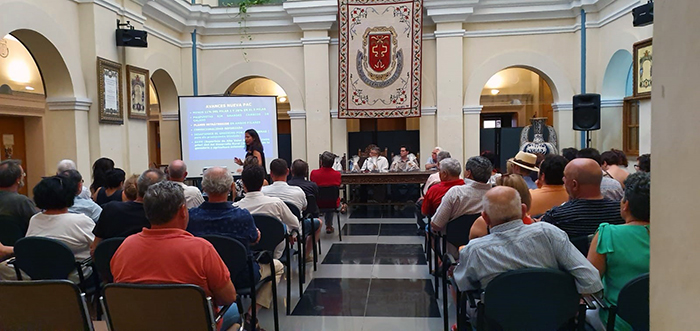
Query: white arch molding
{"points": [[267, 70], [166, 89]]}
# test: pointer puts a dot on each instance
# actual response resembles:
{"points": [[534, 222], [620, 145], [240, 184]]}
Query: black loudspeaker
{"points": [[643, 15], [587, 112], [132, 38]]}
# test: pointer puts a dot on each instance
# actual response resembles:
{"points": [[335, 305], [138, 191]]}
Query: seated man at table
{"points": [[432, 162], [513, 246], [405, 161], [375, 162]]}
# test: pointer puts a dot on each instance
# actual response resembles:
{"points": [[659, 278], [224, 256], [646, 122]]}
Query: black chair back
{"points": [[44, 258], [235, 256], [10, 230], [271, 233], [294, 209], [157, 307], [531, 299], [43, 305], [582, 243], [633, 303], [328, 195], [103, 256], [457, 230], [311, 206]]}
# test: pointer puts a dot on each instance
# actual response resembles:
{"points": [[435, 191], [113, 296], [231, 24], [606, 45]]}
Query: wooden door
{"points": [[12, 128]]}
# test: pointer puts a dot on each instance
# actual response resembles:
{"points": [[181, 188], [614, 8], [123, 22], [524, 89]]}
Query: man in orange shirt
{"points": [[167, 254], [552, 193]]}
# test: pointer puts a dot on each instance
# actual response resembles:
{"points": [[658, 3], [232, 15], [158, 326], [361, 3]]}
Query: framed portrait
{"points": [[109, 77], [137, 90], [642, 68]]}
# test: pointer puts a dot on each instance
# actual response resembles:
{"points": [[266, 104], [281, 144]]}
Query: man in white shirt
{"points": [[257, 203], [432, 162], [375, 162], [86, 207], [405, 161], [177, 172], [67, 164]]}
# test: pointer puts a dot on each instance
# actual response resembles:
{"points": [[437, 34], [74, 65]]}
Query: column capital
{"points": [[312, 15], [68, 103], [170, 116], [472, 110], [612, 103], [296, 114], [334, 113], [557, 107], [450, 11], [428, 111]]}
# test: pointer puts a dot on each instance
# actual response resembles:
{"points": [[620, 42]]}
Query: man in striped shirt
{"points": [[587, 208]]}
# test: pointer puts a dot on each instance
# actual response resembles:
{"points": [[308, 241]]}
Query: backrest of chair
{"points": [[582, 243], [457, 230], [44, 258], [42, 305], [157, 307], [232, 252], [103, 256], [328, 193], [311, 206], [633, 302], [10, 230], [271, 233], [531, 299], [293, 208]]}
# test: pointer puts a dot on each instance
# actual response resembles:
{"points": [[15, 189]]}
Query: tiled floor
{"points": [[375, 279]]}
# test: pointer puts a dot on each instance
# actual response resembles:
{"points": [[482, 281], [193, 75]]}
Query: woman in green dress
{"points": [[621, 252]]}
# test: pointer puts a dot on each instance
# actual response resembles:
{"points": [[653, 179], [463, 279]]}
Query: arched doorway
{"points": [[255, 85], [154, 147], [619, 114], [22, 106], [163, 128]]}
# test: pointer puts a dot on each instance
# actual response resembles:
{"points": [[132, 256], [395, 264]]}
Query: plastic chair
{"points": [[43, 305], [311, 212], [300, 252], [328, 196], [103, 256], [158, 307], [10, 230], [582, 243], [632, 304], [272, 233], [457, 234]]}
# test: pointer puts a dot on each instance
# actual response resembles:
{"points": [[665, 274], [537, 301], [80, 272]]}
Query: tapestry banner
{"points": [[379, 64]]}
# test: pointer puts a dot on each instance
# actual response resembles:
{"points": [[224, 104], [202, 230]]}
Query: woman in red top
{"points": [[326, 176]]}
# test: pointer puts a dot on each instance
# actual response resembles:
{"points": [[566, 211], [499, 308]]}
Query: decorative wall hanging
{"points": [[380, 55], [137, 88], [642, 68], [109, 77]]}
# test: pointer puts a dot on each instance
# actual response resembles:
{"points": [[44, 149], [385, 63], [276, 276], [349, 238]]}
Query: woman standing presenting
{"points": [[253, 147]]}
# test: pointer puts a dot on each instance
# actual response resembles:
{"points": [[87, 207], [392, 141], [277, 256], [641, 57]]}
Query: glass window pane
{"points": [[634, 139]]}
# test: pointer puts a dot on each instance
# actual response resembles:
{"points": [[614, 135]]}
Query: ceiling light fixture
{"points": [[29, 88], [282, 99], [494, 91]]}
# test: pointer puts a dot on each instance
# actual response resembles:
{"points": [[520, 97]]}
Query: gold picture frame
{"points": [[109, 78], [137, 90], [642, 58]]}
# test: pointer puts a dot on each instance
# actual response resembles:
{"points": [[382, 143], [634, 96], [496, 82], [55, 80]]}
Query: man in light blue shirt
{"points": [[81, 205]]}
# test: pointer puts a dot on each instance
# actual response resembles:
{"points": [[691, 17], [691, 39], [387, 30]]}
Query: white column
{"points": [[564, 123], [66, 132], [472, 130], [298, 126], [645, 126], [339, 132], [170, 138], [316, 83], [450, 130], [428, 133]]}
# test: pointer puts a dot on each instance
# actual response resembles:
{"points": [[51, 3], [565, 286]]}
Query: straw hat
{"points": [[525, 160]]}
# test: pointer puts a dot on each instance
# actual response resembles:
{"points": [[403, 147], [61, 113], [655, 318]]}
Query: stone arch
{"points": [[616, 75], [167, 91], [266, 70], [542, 64]]}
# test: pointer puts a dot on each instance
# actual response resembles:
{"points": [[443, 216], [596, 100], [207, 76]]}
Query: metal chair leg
{"points": [[274, 296], [340, 230]]}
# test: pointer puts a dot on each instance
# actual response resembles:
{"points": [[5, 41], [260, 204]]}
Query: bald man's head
{"points": [[502, 204], [582, 179], [177, 171]]}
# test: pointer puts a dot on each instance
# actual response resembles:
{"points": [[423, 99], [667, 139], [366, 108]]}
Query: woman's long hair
{"points": [[99, 172], [256, 144]]}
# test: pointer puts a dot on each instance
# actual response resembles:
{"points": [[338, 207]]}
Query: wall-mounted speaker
{"points": [[132, 38], [586, 112]]}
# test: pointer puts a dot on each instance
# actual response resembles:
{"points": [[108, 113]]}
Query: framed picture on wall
{"points": [[642, 68], [109, 77], [137, 90]]}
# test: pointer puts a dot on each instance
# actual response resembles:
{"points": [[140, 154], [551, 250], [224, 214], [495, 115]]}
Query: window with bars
{"points": [[630, 127]]}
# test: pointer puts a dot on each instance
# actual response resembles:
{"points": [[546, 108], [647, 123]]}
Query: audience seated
{"points": [[326, 176], [300, 171], [99, 173], [569, 153], [435, 178], [67, 164], [643, 163], [612, 166], [293, 194], [167, 254], [495, 172], [375, 162], [552, 192], [621, 252], [524, 164], [112, 191], [13, 204], [54, 195], [405, 161], [177, 172], [587, 208], [609, 187], [130, 191], [432, 161], [513, 246], [257, 203], [80, 205], [450, 169], [240, 191], [465, 199], [122, 219], [480, 228]]}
